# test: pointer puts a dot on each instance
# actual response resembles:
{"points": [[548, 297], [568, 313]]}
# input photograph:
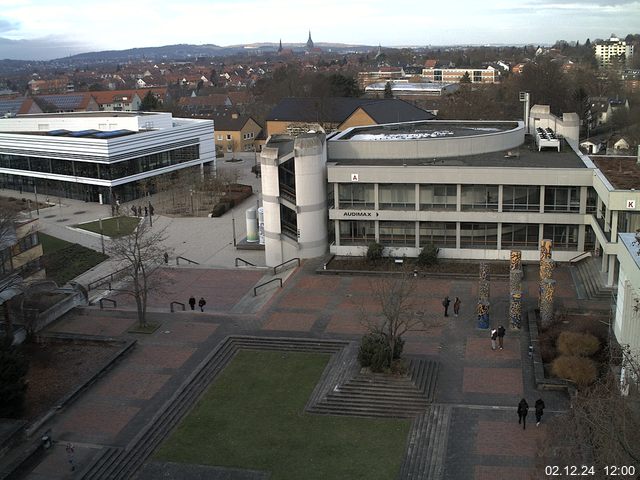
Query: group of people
{"points": [[201, 303], [137, 211], [456, 306], [523, 409], [497, 334]]}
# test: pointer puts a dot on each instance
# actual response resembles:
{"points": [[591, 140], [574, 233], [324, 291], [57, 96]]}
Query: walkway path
{"points": [[480, 388]]}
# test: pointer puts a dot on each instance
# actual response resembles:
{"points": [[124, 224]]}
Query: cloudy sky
{"points": [[45, 29]]}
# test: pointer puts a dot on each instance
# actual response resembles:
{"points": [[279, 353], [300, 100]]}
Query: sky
{"points": [[47, 29]]}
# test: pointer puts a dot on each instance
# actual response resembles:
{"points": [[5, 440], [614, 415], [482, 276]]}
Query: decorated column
{"points": [[483, 296], [515, 310], [547, 290], [515, 289]]}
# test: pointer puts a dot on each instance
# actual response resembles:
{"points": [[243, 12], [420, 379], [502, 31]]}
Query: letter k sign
{"points": [[631, 204]]}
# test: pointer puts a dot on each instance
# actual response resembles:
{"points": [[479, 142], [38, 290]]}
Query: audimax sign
{"points": [[360, 214]]}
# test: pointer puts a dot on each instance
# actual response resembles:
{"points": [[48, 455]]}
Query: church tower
{"points": [[280, 47], [309, 42]]}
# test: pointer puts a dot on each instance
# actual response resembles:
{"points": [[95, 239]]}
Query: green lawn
{"points": [[112, 227], [64, 260], [252, 417]]}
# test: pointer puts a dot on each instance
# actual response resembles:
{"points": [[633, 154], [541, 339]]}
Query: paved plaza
{"points": [[482, 387]]}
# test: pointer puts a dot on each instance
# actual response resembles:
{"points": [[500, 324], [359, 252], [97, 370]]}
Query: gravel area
{"points": [[443, 266], [56, 368]]}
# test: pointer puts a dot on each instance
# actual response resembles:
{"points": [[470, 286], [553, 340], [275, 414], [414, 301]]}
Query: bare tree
{"points": [[141, 253], [401, 310], [9, 280]]}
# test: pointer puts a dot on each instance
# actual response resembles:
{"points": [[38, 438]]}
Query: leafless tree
{"points": [[602, 427], [400, 311], [141, 253], [8, 278]]}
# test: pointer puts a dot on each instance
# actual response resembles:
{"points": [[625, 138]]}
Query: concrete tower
{"points": [[294, 193]]}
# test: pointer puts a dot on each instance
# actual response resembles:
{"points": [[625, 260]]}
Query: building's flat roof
{"points": [[90, 114], [525, 156], [631, 244], [622, 172], [424, 130]]}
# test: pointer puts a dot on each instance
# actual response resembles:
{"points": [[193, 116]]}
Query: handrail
{"points": [[183, 258], [255, 289], [583, 254], [176, 303], [107, 300], [106, 279], [284, 263], [244, 261]]}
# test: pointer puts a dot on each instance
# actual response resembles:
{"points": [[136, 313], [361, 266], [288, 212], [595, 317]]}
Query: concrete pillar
{"points": [[417, 227], [614, 226], [377, 227], [271, 205], [336, 196], [599, 207], [417, 194], [500, 199], [605, 262], [458, 229], [583, 200], [581, 237], [612, 271], [499, 239], [375, 196], [541, 200], [336, 229], [458, 198]]}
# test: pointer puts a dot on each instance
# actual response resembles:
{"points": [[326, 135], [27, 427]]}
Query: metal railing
{"points": [[255, 289], [183, 258], [112, 277], [113, 302], [284, 263], [238, 259], [577, 258], [176, 303]]}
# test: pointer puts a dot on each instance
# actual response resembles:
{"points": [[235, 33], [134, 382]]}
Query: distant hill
{"points": [[181, 51]]}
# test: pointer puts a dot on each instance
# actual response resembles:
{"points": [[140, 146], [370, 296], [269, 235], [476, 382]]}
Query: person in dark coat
{"points": [[445, 303], [202, 303], [192, 302], [501, 333], [523, 409], [133, 209], [151, 210], [456, 307], [539, 411], [493, 336]]}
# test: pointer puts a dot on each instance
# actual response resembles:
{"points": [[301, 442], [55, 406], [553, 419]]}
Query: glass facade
{"points": [[398, 234], [517, 198], [353, 232], [479, 197], [438, 197], [521, 235], [564, 237], [562, 199], [356, 196], [397, 196], [441, 234], [479, 235]]}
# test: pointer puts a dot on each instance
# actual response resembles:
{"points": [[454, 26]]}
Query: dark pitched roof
{"points": [[226, 121], [338, 109]]}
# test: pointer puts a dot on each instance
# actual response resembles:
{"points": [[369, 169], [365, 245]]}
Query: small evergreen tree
{"points": [[374, 252], [388, 93], [149, 102], [466, 78], [428, 255]]}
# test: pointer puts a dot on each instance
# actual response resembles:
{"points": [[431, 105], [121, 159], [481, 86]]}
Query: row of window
{"points": [[472, 235], [98, 170], [515, 198]]}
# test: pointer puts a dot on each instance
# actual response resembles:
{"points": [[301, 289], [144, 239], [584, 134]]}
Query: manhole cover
{"points": [[49, 216], [62, 220], [79, 212]]}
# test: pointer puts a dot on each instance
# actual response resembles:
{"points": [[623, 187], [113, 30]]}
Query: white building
{"points": [[99, 156], [613, 48]]}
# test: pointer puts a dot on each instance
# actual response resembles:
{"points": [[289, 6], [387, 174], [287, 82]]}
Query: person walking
{"points": [[202, 303], [501, 333], [523, 409], [151, 209], [192, 302], [445, 303], [146, 212], [539, 411], [133, 209], [493, 336], [456, 307]]}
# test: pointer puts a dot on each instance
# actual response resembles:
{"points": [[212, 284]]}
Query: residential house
{"points": [[295, 115], [70, 102], [204, 106], [126, 100], [53, 86], [21, 253], [235, 133], [10, 107], [613, 50]]}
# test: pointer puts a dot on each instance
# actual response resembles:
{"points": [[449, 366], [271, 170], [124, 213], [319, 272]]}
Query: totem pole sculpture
{"points": [[515, 289], [547, 284], [483, 297]]}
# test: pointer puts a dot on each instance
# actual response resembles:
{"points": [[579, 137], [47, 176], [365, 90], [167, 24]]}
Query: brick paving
{"points": [[483, 386]]}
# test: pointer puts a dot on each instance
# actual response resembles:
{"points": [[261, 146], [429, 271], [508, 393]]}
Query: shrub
{"points": [[428, 255], [374, 252], [581, 370], [575, 343], [374, 352], [219, 209], [13, 385]]}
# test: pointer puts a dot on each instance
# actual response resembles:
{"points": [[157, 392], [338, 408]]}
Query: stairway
{"points": [[590, 281], [381, 395], [427, 445]]}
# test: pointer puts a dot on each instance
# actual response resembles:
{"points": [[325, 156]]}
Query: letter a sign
{"points": [[631, 204], [354, 177]]}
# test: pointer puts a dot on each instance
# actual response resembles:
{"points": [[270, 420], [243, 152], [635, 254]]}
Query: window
{"points": [[353, 232], [479, 235], [397, 196], [220, 137], [438, 197], [517, 198], [228, 136], [592, 200], [562, 199], [356, 195], [398, 234], [522, 235], [479, 197], [289, 222], [564, 237], [441, 234]]}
